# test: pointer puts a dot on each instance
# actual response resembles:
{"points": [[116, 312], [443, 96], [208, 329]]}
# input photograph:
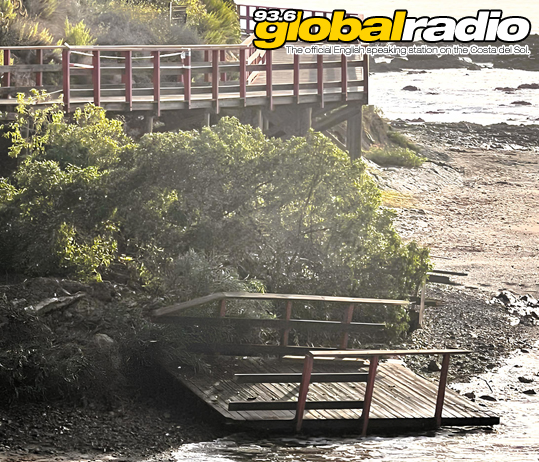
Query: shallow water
{"points": [[456, 95], [516, 439]]}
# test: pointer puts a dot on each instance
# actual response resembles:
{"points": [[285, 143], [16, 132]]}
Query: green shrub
{"points": [[295, 216], [77, 34], [215, 20], [401, 140], [398, 157]]}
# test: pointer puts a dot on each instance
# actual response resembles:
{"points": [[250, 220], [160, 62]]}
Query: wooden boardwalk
{"points": [[284, 95], [286, 385], [401, 400], [156, 78]]}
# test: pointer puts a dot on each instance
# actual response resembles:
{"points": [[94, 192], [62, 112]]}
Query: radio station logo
{"points": [[276, 27]]}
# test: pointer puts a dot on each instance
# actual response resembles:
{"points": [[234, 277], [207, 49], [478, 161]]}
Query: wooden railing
{"points": [[308, 377], [126, 78], [172, 314], [247, 24]]}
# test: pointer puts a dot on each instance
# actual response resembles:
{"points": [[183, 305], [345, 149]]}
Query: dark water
{"points": [[515, 440]]}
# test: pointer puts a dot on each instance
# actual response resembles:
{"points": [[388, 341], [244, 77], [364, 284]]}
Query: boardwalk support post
{"points": [[269, 79], [222, 308], [304, 389], [243, 76], [39, 74], [422, 304], [354, 130], [288, 315], [320, 78], [6, 78], [129, 79], [296, 77], [66, 57], [157, 80], [441, 390], [187, 79], [96, 76], [344, 77], [215, 79], [347, 319], [368, 395]]}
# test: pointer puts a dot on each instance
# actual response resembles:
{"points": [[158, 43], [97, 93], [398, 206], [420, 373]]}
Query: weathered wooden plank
{"points": [[424, 391], [451, 273], [291, 405], [438, 279], [296, 377]]}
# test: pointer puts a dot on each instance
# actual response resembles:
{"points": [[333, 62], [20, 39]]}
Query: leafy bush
{"points": [[296, 216], [399, 157]]}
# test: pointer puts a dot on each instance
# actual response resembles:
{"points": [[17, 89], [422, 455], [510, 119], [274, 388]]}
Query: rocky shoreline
{"points": [[471, 61]]}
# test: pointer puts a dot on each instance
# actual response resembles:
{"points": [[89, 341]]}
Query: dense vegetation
{"points": [[295, 215], [114, 22], [181, 214]]}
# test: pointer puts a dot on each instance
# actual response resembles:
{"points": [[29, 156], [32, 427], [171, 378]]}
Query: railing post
{"points": [[215, 79], [288, 315], [6, 77], [243, 75], [157, 80], [422, 304], [296, 77], [248, 20], [320, 77], [129, 79], [366, 77], [368, 394], [222, 58], [207, 58], [66, 57], [187, 79], [269, 78], [347, 319], [39, 74], [96, 76], [441, 390], [180, 74], [222, 308], [344, 77], [304, 389]]}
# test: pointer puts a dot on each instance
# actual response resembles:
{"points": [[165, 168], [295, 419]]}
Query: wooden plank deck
{"points": [[402, 400]]}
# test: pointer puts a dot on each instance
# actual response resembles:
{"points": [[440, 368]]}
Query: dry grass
{"points": [[398, 200]]}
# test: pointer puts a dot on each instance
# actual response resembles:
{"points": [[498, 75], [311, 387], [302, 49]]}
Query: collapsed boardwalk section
{"points": [[283, 387]]}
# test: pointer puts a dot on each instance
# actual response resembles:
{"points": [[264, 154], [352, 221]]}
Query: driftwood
{"points": [[56, 303]]}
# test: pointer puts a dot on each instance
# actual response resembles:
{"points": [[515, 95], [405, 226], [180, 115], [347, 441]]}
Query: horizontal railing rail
{"points": [[173, 315]]}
